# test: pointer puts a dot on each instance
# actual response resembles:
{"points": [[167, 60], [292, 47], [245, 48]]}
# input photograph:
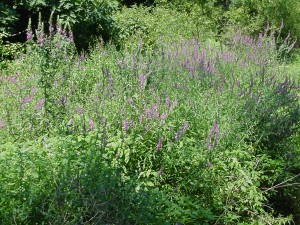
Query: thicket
{"points": [[183, 132], [91, 20], [182, 112]]}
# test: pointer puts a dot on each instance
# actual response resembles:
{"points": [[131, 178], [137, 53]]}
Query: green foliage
{"points": [[8, 17], [8, 50], [89, 19], [253, 16], [177, 133], [66, 181], [157, 24]]}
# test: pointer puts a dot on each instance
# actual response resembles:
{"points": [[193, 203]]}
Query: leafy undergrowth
{"points": [[184, 133]]}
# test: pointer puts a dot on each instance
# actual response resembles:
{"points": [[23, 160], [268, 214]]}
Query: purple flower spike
{"points": [[27, 99], [125, 125], [178, 135], [163, 116], [159, 145], [185, 126], [168, 102], [29, 35], [92, 124], [40, 104], [213, 132], [130, 101], [63, 101], [209, 165], [143, 81], [2, 124]]}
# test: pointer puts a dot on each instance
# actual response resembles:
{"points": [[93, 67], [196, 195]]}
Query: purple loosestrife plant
{"points": [[168, 102], [2, 124], [163, 118], [40, 104], [143, 81], [182, 131], [91, 124], [125, 125], [213, 133], [29, 33], [185, 126], [26, 100], [159, 145]]}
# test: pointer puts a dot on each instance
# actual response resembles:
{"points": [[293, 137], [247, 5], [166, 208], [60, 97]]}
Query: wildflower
{"points": [[159, 145], [130, 101], [63, 101], [143, 81], [125, 125], [79, 110], [168, 102], [41, 37], [92, 124], [40, 104], [27, 99], [58, 29], [149, 113], [51, 29], [209, 165], [178, 135], [141, 118], [34, 91], [132, 123], [163, 116], [2, 124], [185, 126], [119, 62], [215, 130], [293, 44], [29, 35]]}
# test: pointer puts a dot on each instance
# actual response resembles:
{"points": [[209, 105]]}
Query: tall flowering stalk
{"points": [[29, 33], [159, 145], [213, 136], [2, 124]]}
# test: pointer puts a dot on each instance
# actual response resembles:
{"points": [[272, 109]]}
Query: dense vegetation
{"points": [[161, 112]]}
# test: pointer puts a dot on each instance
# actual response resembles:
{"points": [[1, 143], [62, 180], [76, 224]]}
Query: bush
{"points": [[253, 16]]}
